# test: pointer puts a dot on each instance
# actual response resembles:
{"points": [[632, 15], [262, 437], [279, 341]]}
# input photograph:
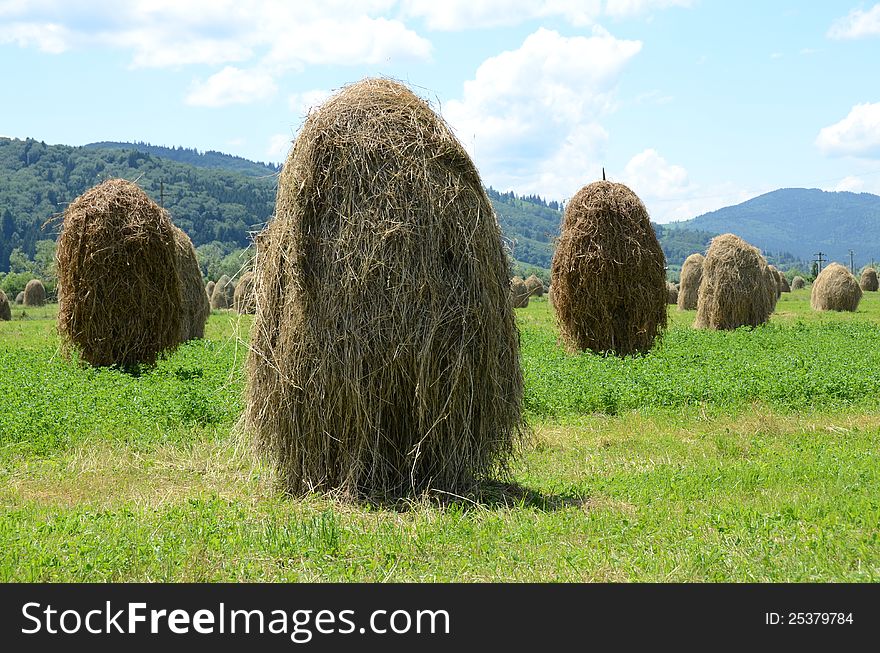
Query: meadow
{"points": [[751, 455]]}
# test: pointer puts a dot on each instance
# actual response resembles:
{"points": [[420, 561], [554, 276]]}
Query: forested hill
{"points": [[219, 200]]}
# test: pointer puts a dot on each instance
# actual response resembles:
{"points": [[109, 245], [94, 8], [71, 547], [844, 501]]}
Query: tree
{"points": [[19, 262]]}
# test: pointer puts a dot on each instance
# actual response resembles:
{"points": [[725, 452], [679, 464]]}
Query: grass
{"points": [[745, 456]]}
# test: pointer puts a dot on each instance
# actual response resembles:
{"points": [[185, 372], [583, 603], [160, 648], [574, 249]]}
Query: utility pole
{"points": [[851, 267], [162, 195], [820, 259]]}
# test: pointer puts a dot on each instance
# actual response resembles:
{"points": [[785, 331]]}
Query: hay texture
{"points": [[19, 298], [5, 309], [224, 293], [777, 279], [783, 283], [737, 288], [672, 293], [34, 293], [519, 293], [535, 286], [609, 282], [384, 352], [689, 283], [209, 290], [195, 308], [868, 280], [798, 282], [835, 289], [120, 298], [243, 299]]}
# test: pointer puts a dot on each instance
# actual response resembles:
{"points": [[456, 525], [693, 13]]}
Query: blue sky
{"points": [[696, 104]]}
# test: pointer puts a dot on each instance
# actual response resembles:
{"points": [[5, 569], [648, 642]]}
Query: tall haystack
{"points": [[384, 352], [19, 298], [689, 283], [120, 299], [868, 280], [519, 293], [5, 309], [737, 288], [671, 293], [34, 293], [209, 290], [835, 289], [609, 281], [777, 279], [195, 307], [535, 286], [798, 282], [224, 293], [243, 299]]}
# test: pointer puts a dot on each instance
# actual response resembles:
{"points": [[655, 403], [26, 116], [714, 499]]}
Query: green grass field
{"points": [[744, 456]]}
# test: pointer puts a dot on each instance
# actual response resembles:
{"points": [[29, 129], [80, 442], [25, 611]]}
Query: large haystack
{"points": [[384, 352], [671, 293], [5, 309], [244, 300], [868, 280], [689, 283], [609, 281], [120, 298], [519, 293], [34, 293], [195, 307], [835, 289], [798, 282], [535, 286], [224, 293], [737, 288]]}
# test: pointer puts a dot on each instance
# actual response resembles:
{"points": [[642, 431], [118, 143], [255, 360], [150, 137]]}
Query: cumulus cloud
{"points": [[857, 24], [232, 86], [852, 183], [532, 115], [302, 103], [858, 134], [278, 147]]}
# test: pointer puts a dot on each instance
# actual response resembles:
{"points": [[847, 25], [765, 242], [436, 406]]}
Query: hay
{"points": [[868, 280], [798, 282], [19, 298], [120, 300], [34, 293], [195, 308], [535, 286], [671, 293], [777, 280], [209, 290], [609, 282], [519, 293], [5, 309], [384, 352], [737, 288], [783, 283], [689, 283], [243, 299], [224, 293], [835, 289]]}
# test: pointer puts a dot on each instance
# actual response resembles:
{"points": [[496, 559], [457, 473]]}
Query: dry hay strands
{"points": [[783, 283], [120, 298], [34, 293], [243, 299], [672, 293], [777, 279], [224, 293], [835, 289], [519, 293], [737, 288], [868, 281], [209, 290], [195, 308], [535, 286], [798, 282], [5, 308], [609, 282], [689, 282], [384, 353]]}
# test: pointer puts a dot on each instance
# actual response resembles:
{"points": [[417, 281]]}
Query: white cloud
{"points": [[302, 103], [279, 146], [858, 134], [857, 24], [626, 8], [648, 173], [852, 183], [232, 86], [46, 37], [531, 116]]}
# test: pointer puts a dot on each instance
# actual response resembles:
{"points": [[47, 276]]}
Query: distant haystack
{"points": [[224, 293], [868, 281], [777, 279], [519, 293], [689, 283], [34, 293], [835, 289], [609, 278], [209, 290], [244, 300], [5, 309], [672, 293], [19, 298], [783, 282], [195, 308], [535, 286], [737, 288], [798, 282]]}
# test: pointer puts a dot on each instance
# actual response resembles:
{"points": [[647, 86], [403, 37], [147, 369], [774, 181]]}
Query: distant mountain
{"points": [[210, 159], [803, 222]]}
